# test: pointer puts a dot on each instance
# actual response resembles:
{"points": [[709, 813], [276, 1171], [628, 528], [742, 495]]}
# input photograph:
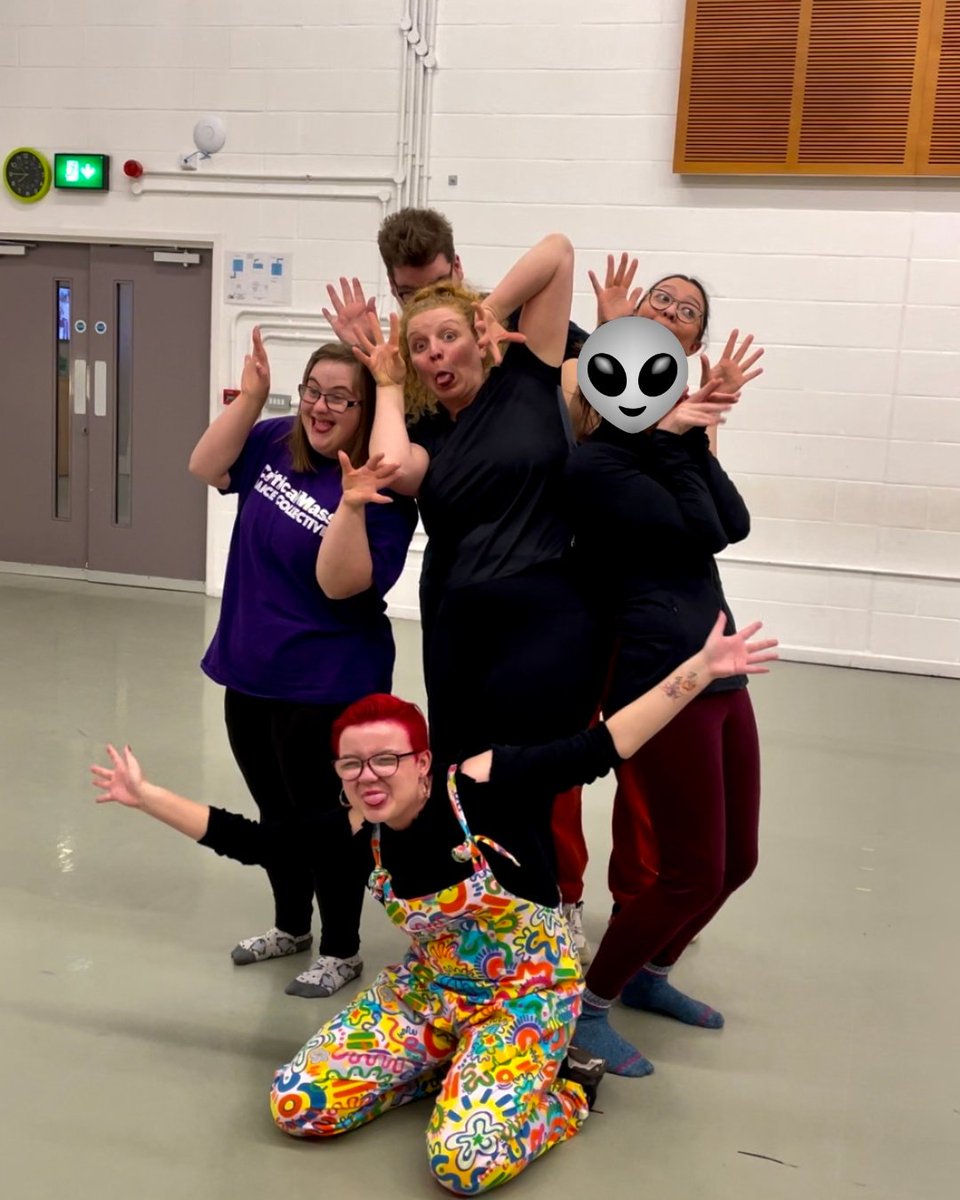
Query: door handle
{"points": [[80, 387], [100, 388]]}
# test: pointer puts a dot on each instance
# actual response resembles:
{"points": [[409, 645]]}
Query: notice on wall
{"points": [[257, 278]]}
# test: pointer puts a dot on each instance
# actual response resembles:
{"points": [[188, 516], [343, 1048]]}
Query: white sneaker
{"points": [[574, 916], [325, 976], [272, 944]]}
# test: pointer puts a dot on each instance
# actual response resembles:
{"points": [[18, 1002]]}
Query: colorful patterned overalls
{"points": [[481, 1010]]}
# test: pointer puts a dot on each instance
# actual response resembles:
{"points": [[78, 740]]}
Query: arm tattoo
{"points": [[679, 684]]}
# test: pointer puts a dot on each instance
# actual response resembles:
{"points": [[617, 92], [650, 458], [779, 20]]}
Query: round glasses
{"points": [[382, 765], [688, 313], [337, 401]]}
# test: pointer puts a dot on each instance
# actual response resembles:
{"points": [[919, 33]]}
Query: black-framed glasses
{"points": [[406, 293], [337, 401], [688, 313], [383, 765]]}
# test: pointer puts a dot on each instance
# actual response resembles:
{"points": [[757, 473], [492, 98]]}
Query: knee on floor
{"points": [[303, 1111], [467, 1158]]}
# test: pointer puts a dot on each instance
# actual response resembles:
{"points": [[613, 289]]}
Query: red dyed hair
{"points": [[380, 706]]}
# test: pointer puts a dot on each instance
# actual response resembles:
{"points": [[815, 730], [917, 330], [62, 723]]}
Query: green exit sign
{"points": [[86, 172]]}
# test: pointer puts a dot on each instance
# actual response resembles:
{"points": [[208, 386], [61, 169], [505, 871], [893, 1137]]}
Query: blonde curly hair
{"points": [[418, 399]]}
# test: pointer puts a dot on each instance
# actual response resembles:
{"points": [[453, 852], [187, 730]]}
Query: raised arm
{"points": [[541, 283], [219, 448], [226, 833], [124, 783], [350, 309], [582, 758], [732, 371], [721, 656], [344, 561], [389, 437]]}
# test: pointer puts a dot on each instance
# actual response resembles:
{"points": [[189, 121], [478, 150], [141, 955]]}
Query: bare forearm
{"points": [[389, 437], [344, 563], [530, 274], [220, 446], [186, 816], [637, 722]]}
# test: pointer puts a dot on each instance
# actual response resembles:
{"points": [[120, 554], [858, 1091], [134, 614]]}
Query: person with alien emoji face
{"points": [[651, 506]]}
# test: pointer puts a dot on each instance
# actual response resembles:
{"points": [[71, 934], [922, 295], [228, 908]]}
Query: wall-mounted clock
{"points": [[26, 175]]}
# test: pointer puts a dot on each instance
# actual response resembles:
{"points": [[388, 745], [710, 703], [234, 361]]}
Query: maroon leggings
{"points": [[695, 788]]}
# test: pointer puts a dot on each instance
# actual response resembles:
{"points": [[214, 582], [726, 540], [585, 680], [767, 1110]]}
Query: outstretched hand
{"points": [[350, 309], [491, 333], [732, 369], [123, 782], [255, 378], [706, 407], [737, 654], [614, 297], [381, 358], [361, 485]]}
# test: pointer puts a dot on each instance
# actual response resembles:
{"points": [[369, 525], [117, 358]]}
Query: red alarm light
{"points": [[132, 169]]}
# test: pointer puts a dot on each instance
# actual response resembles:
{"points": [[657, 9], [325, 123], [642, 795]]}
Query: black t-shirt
{"points": [[490, 500], [649, 511], [513, 809]]}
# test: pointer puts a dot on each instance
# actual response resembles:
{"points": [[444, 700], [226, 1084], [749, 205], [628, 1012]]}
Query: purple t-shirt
{"points": [[279, 636]]}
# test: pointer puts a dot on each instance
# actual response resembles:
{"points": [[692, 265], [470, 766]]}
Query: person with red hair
{"points": [[480, 1011]]}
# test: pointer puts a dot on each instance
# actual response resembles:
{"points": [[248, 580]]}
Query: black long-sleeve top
{"points": [[513, 809], [649, 511]]}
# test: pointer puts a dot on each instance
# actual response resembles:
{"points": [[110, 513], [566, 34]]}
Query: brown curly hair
{"points": [[419, 399]]}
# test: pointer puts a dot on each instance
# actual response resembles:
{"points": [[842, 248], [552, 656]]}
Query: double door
{"points": [[107, 375]]}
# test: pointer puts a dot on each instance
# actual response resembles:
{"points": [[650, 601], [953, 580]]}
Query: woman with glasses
{"points": [[479, 1012], [650, 510], [303, 630]]}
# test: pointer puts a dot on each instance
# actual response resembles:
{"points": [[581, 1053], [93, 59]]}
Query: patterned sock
{"points": [[595, 1034], [650, 991], [325, 976], [272, 944]]}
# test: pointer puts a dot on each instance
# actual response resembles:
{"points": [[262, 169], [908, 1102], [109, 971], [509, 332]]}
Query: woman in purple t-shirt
{"points": [[303, 630]]}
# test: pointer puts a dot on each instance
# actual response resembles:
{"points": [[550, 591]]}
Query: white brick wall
{"points": [[557, 115], [847, 449]]}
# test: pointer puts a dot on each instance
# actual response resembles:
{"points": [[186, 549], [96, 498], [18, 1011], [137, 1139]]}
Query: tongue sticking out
{"points": [[444, 378]]}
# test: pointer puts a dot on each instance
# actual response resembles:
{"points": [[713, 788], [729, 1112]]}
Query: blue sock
{"points": [[595, 1034], [650, 990]]}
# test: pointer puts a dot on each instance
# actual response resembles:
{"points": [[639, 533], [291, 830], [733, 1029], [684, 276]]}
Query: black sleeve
{"points": [[264, 843], [731, 509], [576, 337], [556, 766], [687, 480]]}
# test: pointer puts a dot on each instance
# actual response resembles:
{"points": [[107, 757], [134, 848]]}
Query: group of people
{"points": [[569, 606]]}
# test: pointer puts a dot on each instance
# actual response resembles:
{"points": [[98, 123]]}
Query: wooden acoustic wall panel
{"points": [[943, 156], [737, 85], [859, 83]]}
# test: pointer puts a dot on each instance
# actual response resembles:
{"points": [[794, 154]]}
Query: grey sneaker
{"points": [[272, 944], [574, 917], [325, 976]]}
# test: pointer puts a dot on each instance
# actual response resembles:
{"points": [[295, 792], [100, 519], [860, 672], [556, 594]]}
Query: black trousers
{"points": [[517, 660], [283, 751]]}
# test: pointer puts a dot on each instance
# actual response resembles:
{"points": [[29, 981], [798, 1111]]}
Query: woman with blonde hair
{"points": [[509, 648]]}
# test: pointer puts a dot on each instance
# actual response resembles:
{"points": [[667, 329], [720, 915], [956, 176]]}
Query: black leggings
{"points": [[513, 660], [283, 751]]}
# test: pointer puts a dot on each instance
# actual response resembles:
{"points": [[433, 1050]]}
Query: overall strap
{"points": [[470, 848]]}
